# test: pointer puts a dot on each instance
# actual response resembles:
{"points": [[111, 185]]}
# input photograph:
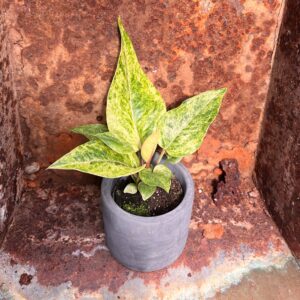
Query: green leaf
{"points": [[160, 176], [100, 132], [130, 188], [183, 128], [114, 143], [94, 157], [173, 160], [90, 131], [146, 190], [134, 106], [149, 146]]}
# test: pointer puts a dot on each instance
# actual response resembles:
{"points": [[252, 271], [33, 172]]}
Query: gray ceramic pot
{"points": [[147, 243]]}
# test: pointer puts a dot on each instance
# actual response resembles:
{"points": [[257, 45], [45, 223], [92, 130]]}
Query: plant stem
{"points": [[135, 178], [160, 156]]}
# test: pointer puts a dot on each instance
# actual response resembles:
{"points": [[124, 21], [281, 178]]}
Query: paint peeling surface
{"points": [[67, 51], [57, 240]]}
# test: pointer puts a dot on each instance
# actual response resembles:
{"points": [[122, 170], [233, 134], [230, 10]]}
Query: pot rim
{"points": [[106, 187]]}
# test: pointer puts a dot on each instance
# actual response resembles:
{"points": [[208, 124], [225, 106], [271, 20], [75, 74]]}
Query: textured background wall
{"points": [[278, 161], [10, 147], [68, 52]]}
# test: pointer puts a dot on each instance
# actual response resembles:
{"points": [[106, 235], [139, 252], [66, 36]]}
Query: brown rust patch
{"points": [[69, 55], [227, 189], [89, 88], [71, 47], [213, 231], [84, 108], [58, 227], [53, 93], [11, 151], [277, 165], [25, 279]]}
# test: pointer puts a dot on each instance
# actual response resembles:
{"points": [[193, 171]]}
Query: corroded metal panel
{"points": [[10, 134], [57, 238], [65, 54], [68, 52], [278, 160]]}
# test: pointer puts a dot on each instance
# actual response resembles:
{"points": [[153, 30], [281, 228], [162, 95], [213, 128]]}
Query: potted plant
{"points": [[146, 197]]}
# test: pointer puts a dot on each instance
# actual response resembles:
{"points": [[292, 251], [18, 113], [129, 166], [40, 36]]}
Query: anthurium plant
{"points": [[138, 123]]}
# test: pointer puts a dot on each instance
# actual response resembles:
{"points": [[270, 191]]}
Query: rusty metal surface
{"points": [[278, 160], [64, 56], [57, 237], [227, 187], [68, 50], [10, 134]]}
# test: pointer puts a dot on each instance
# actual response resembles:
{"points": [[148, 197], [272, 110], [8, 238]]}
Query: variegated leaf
{"points": [[90, 131], [160, 176], [120, 146], [100, 132], [146, 190], [183, 128], [134, 106], [94, 157], [130, 188], [173, 160]]}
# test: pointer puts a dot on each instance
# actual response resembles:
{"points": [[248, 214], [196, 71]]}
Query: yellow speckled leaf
{"points": [[117, 145], [100, 132], [173, 160], [95, 158], [146, 190], [90, 131], [134, 106], [160, 176], [184, 127]]}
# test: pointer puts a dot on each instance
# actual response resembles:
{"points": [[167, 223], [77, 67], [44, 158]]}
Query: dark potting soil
{"points": [[159, 203]]}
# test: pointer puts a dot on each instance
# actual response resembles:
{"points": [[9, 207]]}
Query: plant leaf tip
{"points": [[223, 90], [51, 167], [120, 24]]}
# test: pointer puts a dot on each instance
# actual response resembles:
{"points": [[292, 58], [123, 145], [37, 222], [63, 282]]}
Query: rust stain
{"points": [[227, 188], [213, 231], [277, 166], [69, 53], [11, 151], [25, 279], [63, 221]]}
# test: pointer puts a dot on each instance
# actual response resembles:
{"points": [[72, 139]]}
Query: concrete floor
{"points": [[271, 283], [55, 250]]}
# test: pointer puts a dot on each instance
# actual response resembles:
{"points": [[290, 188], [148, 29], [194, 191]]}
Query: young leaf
{"points": [[183, 128], [114, 143], [90, 131], [134, 106], [149, 146], [96, 158], [146, 190], [130, 188], [160, 176]]}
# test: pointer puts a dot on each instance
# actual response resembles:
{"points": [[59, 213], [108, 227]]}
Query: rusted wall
{"points": [[68, 52], [278, 160], [10, 147]]}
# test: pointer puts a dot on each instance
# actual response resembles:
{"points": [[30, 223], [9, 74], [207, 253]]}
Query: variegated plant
{"points": [[137, 123]]}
